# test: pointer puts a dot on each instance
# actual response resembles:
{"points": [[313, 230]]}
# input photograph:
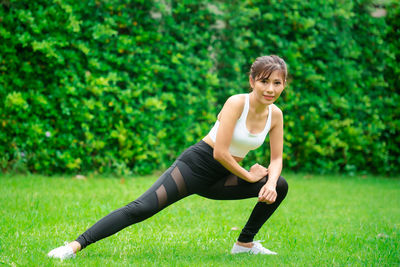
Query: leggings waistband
{"points": [[199, 157], [207, 148]]}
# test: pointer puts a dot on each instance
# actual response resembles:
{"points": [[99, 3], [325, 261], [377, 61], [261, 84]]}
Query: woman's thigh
{"points": [[232, 187]]}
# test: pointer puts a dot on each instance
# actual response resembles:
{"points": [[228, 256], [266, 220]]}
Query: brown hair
{"points": [[263, 66]]}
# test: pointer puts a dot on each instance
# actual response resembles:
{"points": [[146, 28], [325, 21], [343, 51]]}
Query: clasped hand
{"points": [[258, 172], [267, 194], [268, 191]]}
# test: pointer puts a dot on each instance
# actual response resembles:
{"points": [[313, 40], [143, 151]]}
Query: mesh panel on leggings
{"points": [[232, 180], [161, 196], [180, 183]]}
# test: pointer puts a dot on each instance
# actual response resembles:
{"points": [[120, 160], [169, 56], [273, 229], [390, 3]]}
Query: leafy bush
{"points": [[121, 86], [340, 106]]}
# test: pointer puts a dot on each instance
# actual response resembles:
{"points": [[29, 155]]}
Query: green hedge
{"points": [[120, 86], [341, 107]]}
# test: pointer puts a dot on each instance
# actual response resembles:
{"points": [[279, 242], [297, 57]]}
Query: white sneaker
{"points": [[63, 253], [256, 249]]}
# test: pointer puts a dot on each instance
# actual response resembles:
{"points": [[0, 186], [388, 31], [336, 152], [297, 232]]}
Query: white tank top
{"points": [[242, 140]]}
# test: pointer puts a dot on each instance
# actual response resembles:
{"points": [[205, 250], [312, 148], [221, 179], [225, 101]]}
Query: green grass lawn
{"points": [[324, 221]]}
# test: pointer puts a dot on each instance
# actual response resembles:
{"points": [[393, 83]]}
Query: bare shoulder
{"points": [[233, 106], [236, 101], [276, 112], [277, 116]]}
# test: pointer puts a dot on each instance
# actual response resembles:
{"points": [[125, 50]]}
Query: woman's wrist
{"points": [[249, 177], [271, 183]]}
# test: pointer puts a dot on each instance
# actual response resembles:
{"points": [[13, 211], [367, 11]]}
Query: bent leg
{"points": [[169, 188], [233, 187], [261, 213]]}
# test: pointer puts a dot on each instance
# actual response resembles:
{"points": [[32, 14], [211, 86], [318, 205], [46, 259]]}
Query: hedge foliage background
{"points": [[118, 86]]}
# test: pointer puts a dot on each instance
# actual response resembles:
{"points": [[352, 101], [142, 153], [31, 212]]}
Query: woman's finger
{"points": [[269, 196], [260, 194], [268, 200], [273, 197]]}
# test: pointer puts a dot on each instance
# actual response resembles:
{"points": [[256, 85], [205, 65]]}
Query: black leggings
{"points": [[194, 172]]}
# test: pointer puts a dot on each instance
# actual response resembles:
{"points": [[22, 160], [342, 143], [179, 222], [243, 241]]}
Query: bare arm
{"points": [[276, 146], [228, 117], [268, 192]]}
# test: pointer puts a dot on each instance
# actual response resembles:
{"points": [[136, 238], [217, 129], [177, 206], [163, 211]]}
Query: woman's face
{"points": [[268, 90]]}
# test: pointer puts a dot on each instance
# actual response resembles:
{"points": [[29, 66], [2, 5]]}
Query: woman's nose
{"points": [[269, 88]]}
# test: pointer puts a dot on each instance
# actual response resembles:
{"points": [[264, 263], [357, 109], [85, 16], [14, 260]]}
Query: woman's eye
{"points": [[277, 83]]}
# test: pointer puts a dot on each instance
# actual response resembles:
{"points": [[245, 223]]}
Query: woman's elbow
{"points": [[218, 154]]}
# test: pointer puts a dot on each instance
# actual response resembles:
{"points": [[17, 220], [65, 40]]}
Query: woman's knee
{"points": [[282, 187], [138, 210]]}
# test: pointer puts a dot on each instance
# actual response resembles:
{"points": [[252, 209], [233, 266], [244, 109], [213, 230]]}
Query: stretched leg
{"points": [[169, 188], [232, 187]]}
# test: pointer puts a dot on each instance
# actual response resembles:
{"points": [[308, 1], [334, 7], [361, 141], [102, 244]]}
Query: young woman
{"points": [[210, 168]]}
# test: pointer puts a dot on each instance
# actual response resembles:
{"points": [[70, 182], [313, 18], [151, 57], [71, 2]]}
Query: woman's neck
{"points": [[256, 105]]}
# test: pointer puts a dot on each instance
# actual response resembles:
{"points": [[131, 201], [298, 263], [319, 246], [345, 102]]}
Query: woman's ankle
{"points": [[75, 246], [245, 244]]}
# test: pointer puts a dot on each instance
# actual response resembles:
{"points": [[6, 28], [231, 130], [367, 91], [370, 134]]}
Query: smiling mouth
{"points": [[268, 97]]}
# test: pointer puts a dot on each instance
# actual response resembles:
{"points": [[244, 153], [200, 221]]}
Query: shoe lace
{"points": [[68, 249], [258, 245]]}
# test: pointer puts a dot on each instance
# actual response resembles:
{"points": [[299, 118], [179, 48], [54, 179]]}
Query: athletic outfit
{"points": [[242, 140], [197, 172]]}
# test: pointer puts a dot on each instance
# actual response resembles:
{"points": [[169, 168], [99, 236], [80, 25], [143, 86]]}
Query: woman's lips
{"points": [[268, 97]]}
